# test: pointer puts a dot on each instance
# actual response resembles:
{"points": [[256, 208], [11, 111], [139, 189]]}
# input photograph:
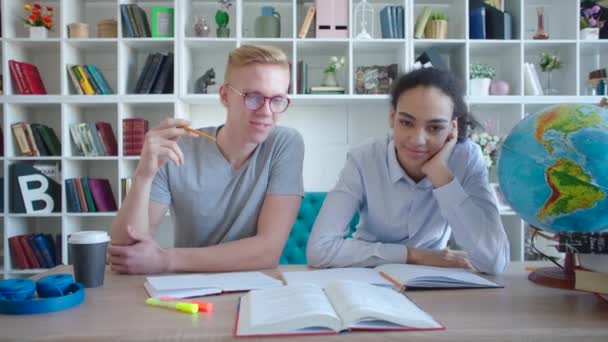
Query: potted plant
{"points": [[480, 75], [549, 62], [39, 20], [437, 27], [222, 18], [334, 65], [590, 22]]}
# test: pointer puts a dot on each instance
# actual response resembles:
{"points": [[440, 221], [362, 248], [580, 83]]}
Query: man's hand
{"points": [[160, 145], [436, 168], [145, 256], [439, 258]]}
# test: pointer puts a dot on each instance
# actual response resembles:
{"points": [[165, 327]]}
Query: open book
{"points": [[196, 285], [342, 305], [412, 276]]}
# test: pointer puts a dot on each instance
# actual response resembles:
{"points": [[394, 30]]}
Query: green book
{"points": [[87, 194]]}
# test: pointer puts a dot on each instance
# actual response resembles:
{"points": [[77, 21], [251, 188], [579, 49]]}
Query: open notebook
{"points": [[412, 276], [341, 306], [196, 285]]}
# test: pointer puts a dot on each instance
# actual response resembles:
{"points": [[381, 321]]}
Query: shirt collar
{"points": [[397, 173]]}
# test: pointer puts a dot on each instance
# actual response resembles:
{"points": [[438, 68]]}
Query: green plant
{"points": [[480, 70], [221, 15], [335, 63], [549, 61], [438, 15]]}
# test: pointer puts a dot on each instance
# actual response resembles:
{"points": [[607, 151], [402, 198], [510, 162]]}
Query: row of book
{"points": [[134, 21], [156, 76], [87, 79], [392, 22], [133, 135], [94, 140], [26, 78], [488, 22], [36, 139], [532, 85], [89, 195], [35, 250]]}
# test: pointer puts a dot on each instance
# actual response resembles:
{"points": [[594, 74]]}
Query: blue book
{"points": [[74, 205], [391, 22], [100, 79], [477, 23], [400, 25], [126, 22], [384, 22]]}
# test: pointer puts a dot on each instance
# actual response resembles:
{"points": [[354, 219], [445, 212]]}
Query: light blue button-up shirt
{"points": [[396, 212]]}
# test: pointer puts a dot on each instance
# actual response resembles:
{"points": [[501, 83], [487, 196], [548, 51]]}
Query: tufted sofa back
{"points": [[295, 248]]}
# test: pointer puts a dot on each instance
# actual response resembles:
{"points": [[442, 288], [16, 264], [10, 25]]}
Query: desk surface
{"points": [[520, 311]]}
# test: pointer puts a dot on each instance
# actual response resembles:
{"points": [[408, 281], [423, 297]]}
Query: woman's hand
{"points": [[440, 258], [160, 145], [436, 168]]}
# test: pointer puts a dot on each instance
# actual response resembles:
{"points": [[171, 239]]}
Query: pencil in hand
{"points": [[199, 133], [400, 287]]}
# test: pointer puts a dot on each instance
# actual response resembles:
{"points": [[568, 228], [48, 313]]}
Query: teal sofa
{"points": [[295, 248]]}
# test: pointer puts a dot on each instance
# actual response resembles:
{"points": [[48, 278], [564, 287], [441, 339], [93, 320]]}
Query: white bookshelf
{"points": [[330, 124]]}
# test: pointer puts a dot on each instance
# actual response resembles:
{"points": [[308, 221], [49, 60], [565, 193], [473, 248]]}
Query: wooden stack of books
{"points": [[87, 79], [35, 250], [35, 140], [94, 140], [26, 78], [88, 195], [133, 134], [157, 75], [134, 22]]}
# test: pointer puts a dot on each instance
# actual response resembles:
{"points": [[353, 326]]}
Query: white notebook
{"points": [[196, 285], [415, 276]]}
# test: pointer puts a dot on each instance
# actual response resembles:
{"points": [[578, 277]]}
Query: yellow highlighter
{"points": [[180, 306]]}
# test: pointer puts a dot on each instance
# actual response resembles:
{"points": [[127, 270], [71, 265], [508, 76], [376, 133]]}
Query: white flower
{"points": [[333, 59]]}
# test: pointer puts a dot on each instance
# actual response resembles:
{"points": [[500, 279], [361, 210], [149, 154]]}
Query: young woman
{"points": [[413, 188]]}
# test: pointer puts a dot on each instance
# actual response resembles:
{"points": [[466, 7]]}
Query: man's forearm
{"points": [[246, 254], [134, 212]]}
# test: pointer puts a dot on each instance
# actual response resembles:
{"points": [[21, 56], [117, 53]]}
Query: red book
{"points": [[19, 85], [102, 194], [107, 138], [32, 78], [29, 252], [17, 253]]}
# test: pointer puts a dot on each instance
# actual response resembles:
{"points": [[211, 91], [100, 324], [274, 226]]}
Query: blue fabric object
{"points": [[295, 248]]}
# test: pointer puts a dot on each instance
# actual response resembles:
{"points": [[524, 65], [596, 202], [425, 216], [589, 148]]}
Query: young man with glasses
{"points": [[233, 200]]}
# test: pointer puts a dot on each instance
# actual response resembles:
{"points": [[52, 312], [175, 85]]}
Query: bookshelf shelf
{"points": [[330, 124]]}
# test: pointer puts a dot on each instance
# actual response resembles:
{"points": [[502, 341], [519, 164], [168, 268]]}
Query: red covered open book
{"points": [[341, 306]]}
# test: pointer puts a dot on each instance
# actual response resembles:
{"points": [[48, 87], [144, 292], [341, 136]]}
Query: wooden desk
{"points": [[522, 311]]}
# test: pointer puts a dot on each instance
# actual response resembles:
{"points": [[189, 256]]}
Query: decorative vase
{"points": [[499, 87], [480, 86], [268, 25], [590, 33], [540, 29], [548, 88], [222, 32], [38, 32], [436, 29], [200, 27], [330, 80]]}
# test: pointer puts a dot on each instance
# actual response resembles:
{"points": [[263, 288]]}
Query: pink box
{"points": [[332, 18]]}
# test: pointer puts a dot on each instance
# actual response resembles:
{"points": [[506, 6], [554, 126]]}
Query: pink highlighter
{"points": [[202, 306]]}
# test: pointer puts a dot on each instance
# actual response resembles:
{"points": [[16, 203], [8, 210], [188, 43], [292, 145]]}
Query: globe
{"points": [[553, 168]]}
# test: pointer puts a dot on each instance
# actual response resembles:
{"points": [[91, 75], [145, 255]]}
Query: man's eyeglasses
{"points": [[255, 101]]}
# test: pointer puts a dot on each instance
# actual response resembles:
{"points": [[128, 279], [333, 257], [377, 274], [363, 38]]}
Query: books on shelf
{"points": [[392, 22], [87, 79], [412, 276], [89, 195], [421, 22], [306, 23], [532, 85], [341, 306], [196, 285], [35, 250], [583, 242], [125, 186], [134, 21], [156, 76], [26, 78], [133, 134], [93, 140]]}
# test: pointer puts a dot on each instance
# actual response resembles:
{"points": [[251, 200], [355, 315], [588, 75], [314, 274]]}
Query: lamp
{"points": [[364, 16]]}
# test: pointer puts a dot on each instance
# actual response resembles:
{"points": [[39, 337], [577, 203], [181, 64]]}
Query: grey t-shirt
{"points": [[214, 203]]}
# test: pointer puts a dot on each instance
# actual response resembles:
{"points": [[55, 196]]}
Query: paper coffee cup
{"points": [[88, 255]]}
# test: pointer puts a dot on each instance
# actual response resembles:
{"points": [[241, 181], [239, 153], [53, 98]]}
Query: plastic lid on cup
{"points": [[89, 236]]}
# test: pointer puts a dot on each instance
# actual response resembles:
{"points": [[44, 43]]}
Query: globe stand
{"points": [[554, 276]]}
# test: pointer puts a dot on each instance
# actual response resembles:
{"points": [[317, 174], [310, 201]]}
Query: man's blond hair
{"points": [[254, 54]]}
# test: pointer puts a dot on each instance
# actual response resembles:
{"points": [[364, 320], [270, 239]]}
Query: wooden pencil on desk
{"points": [[401, 288], [199, 133]]}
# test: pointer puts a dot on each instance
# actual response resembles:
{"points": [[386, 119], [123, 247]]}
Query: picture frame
{"points": [[501, 202], [375, 79], [163, 21]]}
